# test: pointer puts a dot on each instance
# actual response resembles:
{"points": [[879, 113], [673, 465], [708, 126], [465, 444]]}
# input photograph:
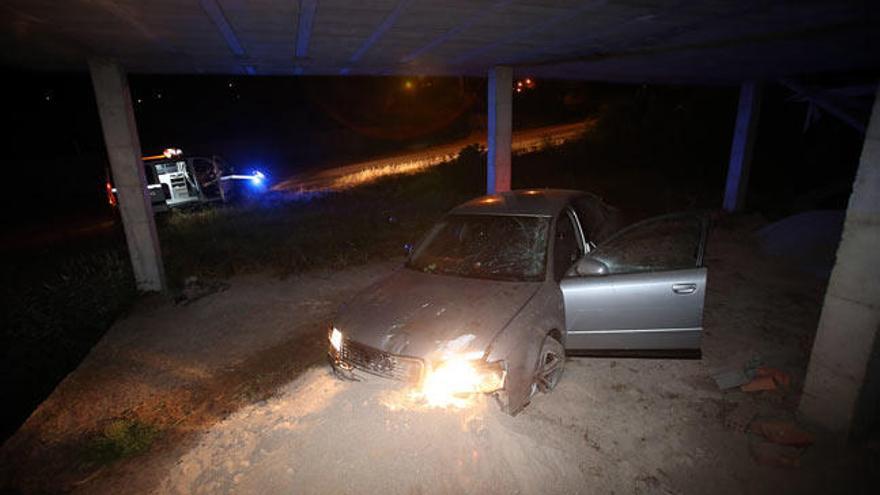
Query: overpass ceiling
{"points": [[703, 41]]}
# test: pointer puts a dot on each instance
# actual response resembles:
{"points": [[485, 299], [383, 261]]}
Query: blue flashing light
{"points": [[257, 178]]}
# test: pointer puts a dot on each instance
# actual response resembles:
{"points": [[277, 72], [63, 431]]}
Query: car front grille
{"points": [[380, 363]]}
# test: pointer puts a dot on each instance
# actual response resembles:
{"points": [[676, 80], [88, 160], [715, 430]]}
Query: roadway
{"points": [[354, 174]]}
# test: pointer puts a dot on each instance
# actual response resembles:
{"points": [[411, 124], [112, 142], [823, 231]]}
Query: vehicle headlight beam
{"points": [[454, 381], [335, 339]]}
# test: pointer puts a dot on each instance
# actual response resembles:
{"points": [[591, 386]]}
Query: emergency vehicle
{"points": [[175, 180]]}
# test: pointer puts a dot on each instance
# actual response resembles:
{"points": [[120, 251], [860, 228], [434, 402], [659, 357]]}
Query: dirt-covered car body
{"points": [[500, 305]]}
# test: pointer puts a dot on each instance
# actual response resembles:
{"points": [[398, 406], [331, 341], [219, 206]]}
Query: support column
{"points": [[848, 327], [500, 128], [744, 135], [124, 152]]}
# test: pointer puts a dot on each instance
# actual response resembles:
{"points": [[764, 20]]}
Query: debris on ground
{"points": [[781, 378], [782, 433], [195, 288], [771, 454], [759, 384], [767, 378], [728, 378]]}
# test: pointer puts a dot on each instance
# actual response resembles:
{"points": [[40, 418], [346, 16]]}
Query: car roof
{"points": [[536, 202]]}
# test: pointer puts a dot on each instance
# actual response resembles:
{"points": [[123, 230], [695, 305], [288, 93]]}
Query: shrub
{"points": [[119, 439]]}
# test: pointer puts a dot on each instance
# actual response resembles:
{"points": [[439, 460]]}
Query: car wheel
{"points": [[551, 363]]}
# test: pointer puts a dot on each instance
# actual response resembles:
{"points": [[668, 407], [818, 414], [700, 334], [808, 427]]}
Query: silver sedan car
{"points": [[504, 286]]}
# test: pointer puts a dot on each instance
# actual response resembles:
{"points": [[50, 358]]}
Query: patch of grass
{"points": [[55, 308], [289, 235], [119, 439]]}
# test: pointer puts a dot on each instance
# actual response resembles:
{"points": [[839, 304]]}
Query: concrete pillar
{"points": [[744, 135], [124, 151], [500, 128], [850, 318]]}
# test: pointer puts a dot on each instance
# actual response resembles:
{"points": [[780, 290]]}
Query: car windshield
{"points": [[498, 247]]}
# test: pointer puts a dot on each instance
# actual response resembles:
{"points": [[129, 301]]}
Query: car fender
{"points": [[520, 342]]}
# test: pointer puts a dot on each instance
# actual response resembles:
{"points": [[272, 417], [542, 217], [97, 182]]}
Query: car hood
{"points": [[432, 316]]}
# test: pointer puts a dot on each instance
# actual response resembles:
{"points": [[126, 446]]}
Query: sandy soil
{"points": [[612, 425]]}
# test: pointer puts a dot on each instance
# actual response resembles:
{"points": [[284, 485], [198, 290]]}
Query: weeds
{"points": [[121, 438], [53, 312], [335, 230]]}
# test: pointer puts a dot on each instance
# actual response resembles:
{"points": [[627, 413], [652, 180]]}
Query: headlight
{"points": [[455, 378], [336, 339]]}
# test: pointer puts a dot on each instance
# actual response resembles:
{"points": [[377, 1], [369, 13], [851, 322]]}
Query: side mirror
{"points": [[590, 267]]}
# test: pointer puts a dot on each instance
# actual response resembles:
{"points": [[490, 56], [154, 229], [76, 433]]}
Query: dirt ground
{"points": [[236, 385]]}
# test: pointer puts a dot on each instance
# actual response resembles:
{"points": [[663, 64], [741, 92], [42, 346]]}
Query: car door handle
{"points": [[684, 288]]}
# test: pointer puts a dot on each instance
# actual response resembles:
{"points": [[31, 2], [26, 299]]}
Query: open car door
{"points": [[641, 289]]}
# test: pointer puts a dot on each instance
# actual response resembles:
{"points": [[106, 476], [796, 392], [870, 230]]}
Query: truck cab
{"points": [[175, 180]]}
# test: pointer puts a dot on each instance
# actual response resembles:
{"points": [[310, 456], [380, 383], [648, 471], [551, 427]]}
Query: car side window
{"points": [[666, 243], [566, 248], [598, 219]]}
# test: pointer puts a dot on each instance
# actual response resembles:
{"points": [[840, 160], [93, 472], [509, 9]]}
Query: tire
{"points": [[550, 366]]}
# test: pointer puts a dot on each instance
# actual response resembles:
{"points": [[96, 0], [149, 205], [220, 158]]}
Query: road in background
{"points": [[525, 141]]}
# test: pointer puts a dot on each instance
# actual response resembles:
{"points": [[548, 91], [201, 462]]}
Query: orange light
{"points": [[152, 157], [528, 81], [408, 85], [489, 200], [111, 198], [532, 192]]}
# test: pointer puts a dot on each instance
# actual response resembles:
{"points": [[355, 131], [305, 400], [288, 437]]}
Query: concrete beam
{"points": [[744, 136], [850, 320], [380, 31], [500, 128], [825, 103], [215, 13], [304, 25], [124, 152]]}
